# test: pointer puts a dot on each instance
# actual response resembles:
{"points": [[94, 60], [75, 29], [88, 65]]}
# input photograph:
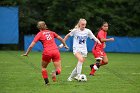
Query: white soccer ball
{"points": [[82, 78]]}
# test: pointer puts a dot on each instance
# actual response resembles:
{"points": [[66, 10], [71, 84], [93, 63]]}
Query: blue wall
{"points": [[9, 25], [121, 44]]}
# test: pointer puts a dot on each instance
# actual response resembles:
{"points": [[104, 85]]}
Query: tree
{"points": [[62, 15]]}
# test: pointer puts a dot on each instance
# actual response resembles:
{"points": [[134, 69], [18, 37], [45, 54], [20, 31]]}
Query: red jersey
{"points": [[47, 38], [101, 34]]}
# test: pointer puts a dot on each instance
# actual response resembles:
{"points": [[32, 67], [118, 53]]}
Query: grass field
{"points": [[22, 74]]}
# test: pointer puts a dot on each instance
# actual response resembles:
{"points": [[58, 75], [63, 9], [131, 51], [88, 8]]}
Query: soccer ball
{"points": [[82, 78]]}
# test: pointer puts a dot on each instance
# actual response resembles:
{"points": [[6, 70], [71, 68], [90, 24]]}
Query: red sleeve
{"points": [[55, 35], [101, 34], [37, 37]]}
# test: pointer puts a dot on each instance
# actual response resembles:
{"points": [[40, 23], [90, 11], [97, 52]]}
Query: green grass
{"points": [[22, 74]]}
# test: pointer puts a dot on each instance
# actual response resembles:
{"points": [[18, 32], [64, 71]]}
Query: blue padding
{"points": [[27, 42], [121, 44], [9, 25], [124, 44]]}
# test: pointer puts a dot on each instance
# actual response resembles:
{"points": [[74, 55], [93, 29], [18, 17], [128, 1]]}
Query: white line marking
{"points": [[136, 73]]}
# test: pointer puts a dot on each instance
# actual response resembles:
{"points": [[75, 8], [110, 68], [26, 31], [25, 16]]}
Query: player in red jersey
{"points": [[98, 49], [50, 50]]}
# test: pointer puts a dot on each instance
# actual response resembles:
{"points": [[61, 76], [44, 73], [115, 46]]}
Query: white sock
{"points": [[79, 67], [73, 73], [95, 67]]}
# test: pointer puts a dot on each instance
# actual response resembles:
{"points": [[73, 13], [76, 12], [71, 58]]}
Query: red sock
{"points": [[44, 74], [92, 71], [58, 71]]}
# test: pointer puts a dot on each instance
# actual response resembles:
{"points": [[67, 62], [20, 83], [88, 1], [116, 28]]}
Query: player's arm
{"points": [[29, 48], [63, 42], [92, 36], [65, 38], [106, 40], [71, 33], [36, 39]]}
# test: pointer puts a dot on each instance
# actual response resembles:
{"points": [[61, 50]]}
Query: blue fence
{"points": [[121, 44], [9, 25]]}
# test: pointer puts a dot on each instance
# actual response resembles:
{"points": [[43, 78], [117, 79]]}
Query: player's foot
{"points": [[54, 76], [76, 78], [46, 81], [91, 74], [47, 84], [69, 79]]}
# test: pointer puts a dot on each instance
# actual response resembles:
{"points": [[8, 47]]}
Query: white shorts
{"points": [[83, 52]]}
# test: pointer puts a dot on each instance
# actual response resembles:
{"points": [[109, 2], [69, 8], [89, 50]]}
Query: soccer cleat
{"points": [[47, 84], [54, 76], [46, 81], [91, 74], [76, 78], [69, 79]]}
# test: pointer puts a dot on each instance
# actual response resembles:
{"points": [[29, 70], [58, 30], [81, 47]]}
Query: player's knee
{"points": [[106, 62], [81, 60], [58, 71]]}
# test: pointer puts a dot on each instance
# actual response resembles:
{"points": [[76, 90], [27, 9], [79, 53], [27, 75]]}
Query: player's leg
{"points": [[45, 61], [73, 74], [57, 64], [95, 66], [101, 59], [105, 60], [57, 71], [98, 57], [81, 60], [44, 71], [78, 69]]}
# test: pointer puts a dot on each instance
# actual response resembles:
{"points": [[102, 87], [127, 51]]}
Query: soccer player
{"points": [[80, 35], [98, 49], [50, 50]]}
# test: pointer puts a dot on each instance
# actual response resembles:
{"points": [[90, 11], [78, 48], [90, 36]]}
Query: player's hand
{"points": [[111, 39], [98, 42], [66, 47], [61, 45]]}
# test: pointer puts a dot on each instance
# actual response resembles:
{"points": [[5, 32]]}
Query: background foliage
{"points": [[62, 15]]}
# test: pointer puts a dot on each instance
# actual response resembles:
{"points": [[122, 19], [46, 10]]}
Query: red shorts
{"points": [[53, 55], [98, 54]]}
